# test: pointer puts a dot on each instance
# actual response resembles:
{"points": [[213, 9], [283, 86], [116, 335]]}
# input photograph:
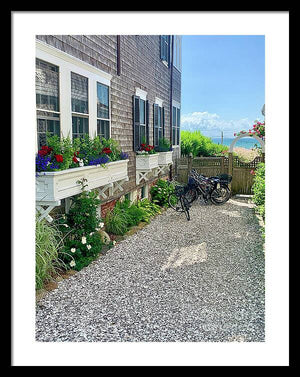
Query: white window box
{"points": [[53, 186], [146, 162], [165, 158]]}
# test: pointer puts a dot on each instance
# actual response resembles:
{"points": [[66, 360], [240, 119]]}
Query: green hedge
{"points": [[258, 189], [199, 145]]}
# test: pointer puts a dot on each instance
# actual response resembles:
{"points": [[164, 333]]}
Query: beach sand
{"points": [[246, 154]]}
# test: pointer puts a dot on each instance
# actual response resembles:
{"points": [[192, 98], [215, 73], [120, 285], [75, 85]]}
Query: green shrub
{"points": [[160, 193], [150, 209], [258, 189], [199, 145], [48, 243], [82, 241], [134, 215], [116, 222]]}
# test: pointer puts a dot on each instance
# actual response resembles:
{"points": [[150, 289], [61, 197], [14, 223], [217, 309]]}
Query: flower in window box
{"points": [[73, 250], [83, 240], [106, 150], [88, 247], [45, 150], [59, 158]]}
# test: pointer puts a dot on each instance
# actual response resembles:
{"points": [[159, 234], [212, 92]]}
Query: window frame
{"points": [[177, 52], [165, 43], [80, 115], [160, 110], [54, 113], [109, 112], [136, 99], [175, 124], [67, 63]]}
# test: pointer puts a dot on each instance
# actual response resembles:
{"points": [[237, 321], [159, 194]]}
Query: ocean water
{"points": [[246, 142]]}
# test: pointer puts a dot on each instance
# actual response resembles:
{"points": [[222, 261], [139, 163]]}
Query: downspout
{"points": [[171, 99]]}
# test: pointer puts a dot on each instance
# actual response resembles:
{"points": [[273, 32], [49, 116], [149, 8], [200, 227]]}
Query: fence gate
{"points": [[242, 179]]}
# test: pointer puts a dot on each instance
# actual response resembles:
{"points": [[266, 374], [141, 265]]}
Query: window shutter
{"points": [[147, 122], [136, 123]]}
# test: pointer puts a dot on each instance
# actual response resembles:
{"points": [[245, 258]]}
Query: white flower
{"points": [[114, 242], [72, 263], [83, 240], [91, 233], [101, 225], [66, 225], [73, 250], [89, 247]]}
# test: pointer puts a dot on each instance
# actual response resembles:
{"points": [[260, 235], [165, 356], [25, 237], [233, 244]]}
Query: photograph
{"points": [[147, 156]]}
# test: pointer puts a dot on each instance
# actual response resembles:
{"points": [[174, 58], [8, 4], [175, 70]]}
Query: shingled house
{"points": [[135, 78]]}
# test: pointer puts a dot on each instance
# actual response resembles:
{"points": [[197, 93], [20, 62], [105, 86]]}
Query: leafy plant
{"points": [[83, 242], [164, 145], [198, 145], [160, 193], [150, 209], [258, 188], [48, 243], [146, 149], [116, 221], [64, 153]]}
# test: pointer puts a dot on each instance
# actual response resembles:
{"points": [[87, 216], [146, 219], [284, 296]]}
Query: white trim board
{"points": [[54, 53], [141, 93], [159, 102]]}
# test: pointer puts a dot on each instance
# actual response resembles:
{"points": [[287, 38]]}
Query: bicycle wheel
{"points": [[175, 203], [220, 195], [185, 206]]}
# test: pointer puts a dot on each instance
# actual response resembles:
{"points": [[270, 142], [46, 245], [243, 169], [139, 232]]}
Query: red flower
{"points": [[59, 157], [45, 150], [75, 159], [106, 150]]}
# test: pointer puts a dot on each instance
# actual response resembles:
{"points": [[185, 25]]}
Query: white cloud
{"points": [[211, 124]]}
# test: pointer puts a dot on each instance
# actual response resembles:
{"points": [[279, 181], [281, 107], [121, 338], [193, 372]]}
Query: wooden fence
{"points": [[242, 179]]}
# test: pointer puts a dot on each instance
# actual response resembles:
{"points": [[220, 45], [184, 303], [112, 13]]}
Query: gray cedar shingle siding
{"points": [[140, 67]]}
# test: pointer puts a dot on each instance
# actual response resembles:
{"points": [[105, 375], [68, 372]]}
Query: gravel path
{"points": [[173, 281]]}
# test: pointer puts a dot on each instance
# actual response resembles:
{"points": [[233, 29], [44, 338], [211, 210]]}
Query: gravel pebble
{"points": [[172, 281]]}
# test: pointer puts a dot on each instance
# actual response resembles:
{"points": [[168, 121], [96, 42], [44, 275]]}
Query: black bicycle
{"points": [[178, 200], [214, 189]]}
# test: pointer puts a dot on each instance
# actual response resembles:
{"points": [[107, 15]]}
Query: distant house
{"points": [[124, 87]]}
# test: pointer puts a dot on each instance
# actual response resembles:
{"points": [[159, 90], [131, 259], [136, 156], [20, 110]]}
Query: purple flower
{"points": [[99, 161], [41, 163], [124, 156]]}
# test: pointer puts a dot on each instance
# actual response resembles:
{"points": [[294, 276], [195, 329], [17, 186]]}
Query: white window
{"points": [[103, 110], [80, 105], [47, 100], [175, 123], [177, 52], [72, 97]]}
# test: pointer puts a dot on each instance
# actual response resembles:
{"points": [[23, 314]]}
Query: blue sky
{"points": [[223, 82]]}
